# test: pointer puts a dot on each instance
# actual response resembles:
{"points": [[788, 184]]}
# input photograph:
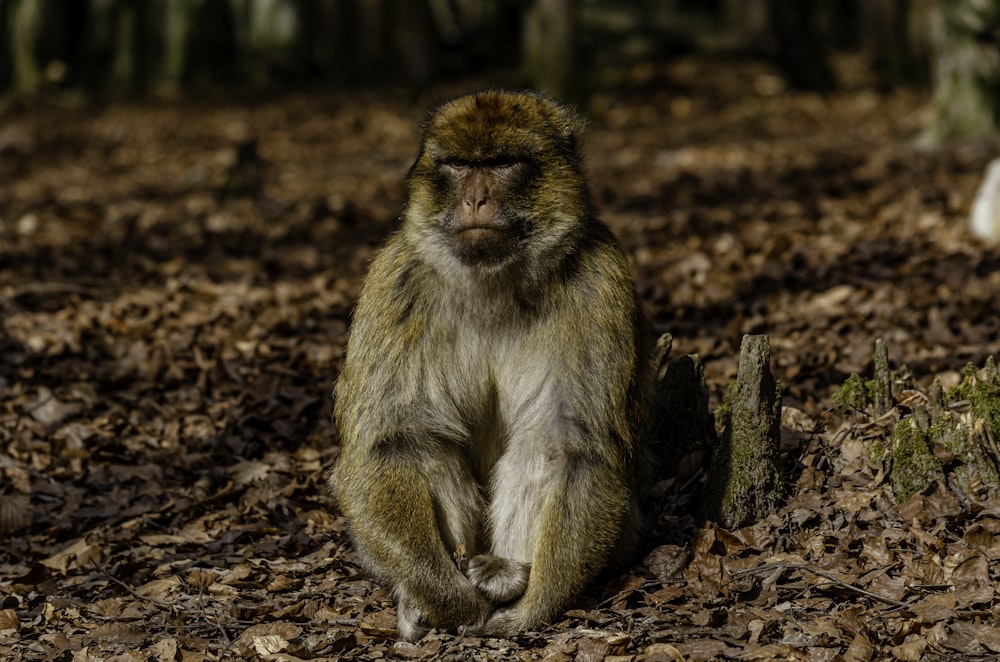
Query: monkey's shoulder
{"points": [[597, 274]]}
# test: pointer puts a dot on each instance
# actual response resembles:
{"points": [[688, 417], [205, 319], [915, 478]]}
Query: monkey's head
{"points": [[498, 181]]}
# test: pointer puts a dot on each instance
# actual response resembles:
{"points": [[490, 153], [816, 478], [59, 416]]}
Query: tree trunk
{"points": [[966, 72], [177, 25], [414, 37], [746, 482], [681, 422], [749, 21], [548, 48], [801, 41], [894, 37], [26, 22]]}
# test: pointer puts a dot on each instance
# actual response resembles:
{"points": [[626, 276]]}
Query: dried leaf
{"points": [[9, 620]]}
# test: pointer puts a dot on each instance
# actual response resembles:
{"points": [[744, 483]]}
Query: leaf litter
{"points": [[169, 341]]}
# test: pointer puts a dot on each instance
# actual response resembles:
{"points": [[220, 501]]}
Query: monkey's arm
{"points": [[390, 498], [406, 491]]}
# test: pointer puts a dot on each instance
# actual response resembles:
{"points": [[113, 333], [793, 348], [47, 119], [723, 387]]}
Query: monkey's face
{"points": [[480, 219], [498, 179]]}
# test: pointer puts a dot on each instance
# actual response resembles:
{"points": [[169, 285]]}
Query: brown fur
{"points": [[495, 388]]}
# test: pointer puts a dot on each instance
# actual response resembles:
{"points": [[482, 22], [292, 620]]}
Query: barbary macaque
{"points": [[493, 401]]}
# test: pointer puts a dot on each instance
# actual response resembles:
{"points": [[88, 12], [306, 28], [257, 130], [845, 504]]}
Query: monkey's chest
{"points": [[503, 398]]}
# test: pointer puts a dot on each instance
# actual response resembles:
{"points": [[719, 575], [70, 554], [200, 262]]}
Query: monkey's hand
{"points": [[499, 580]]}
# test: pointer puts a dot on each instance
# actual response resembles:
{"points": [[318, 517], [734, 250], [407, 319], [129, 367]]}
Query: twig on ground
{"points": [[134, 593], [213, 619], [825, 575]]}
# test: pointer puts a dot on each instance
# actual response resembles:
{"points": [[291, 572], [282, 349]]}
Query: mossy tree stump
{"points": [[941, 435], [746, 483], [953, 436]]}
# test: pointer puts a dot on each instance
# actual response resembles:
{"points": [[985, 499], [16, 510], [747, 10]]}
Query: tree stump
{"points": [[950, 436], [746, 482], [681, 423], [954, 436], [883, 380]]}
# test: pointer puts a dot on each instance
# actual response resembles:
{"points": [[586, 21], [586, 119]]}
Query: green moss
{"points": [[914, 467], [855, 394], [877, 452], [754, 482], [984, 394], [960, 391], [725, 409], [982, 389]]}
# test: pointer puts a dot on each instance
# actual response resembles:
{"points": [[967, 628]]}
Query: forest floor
{"points": [[172, 318]]}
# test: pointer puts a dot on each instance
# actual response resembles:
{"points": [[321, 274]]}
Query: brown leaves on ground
{"points": [[168, 343]]}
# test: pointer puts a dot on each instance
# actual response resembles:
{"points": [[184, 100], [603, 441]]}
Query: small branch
{"points": [[135, 594], [825, 575], [213, 619]]}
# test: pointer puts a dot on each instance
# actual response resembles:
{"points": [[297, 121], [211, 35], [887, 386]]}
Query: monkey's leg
{"points": [[407, 529], [564, 518]]}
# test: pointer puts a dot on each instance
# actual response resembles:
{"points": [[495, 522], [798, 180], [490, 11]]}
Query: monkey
{"points": [[493, 400]]}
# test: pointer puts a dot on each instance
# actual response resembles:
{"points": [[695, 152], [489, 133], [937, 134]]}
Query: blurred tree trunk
{"points": [[800, 27], [371, 43], [26, 24], [413, 32], [123, 67], [749, 21], [548, 47], [177, 25], [266, 31], [966, 71], [334, 34], [895, 39]]}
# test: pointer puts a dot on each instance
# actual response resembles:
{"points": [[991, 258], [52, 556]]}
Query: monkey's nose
{"points": [[477, 203], [477, 193]]}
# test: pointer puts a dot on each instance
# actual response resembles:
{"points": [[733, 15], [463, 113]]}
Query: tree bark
{"points": [[883, 379], [746, 482], [681, 422]]}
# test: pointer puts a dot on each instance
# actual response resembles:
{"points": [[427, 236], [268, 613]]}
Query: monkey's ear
{"points": [[572, 127]]}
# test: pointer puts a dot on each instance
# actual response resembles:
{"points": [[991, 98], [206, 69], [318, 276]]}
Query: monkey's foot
{"points": [[506, 623], [409, 619], [499, 580]]}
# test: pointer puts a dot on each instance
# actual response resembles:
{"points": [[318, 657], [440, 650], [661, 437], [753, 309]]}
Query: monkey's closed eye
{"points": [[456, 168], [499, 166], [505, 167]]}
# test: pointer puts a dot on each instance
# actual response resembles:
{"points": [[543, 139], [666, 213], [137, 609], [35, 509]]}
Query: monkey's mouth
{"points": [[484, 244], [479, 233]]}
